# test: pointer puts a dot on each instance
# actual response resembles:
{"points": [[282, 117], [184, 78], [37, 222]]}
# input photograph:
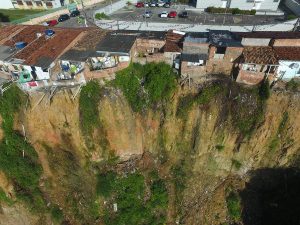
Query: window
{"points": [[276, 0], [221, 50], [28, 3], [39, 3], [49, 4], [20, 3]]}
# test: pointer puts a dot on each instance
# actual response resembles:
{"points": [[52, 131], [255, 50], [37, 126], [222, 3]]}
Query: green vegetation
{"points": [[234, 11], [101, 16], [233, 202], [88, 106], [292, 85], [220, 147], [291, 17], [4, 198], [8, 15], [57, 214], [264, 90], [24, 171], [275, 142], [128, 192], [236, 164], [203, 97], [146, 85]]}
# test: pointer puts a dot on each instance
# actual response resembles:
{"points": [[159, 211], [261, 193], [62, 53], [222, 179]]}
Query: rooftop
{"points": [[155, 35], [287, 53], [224, 38], [259, 55], [42, 51], [6, 52], [197, 37], [193, 57], [173, 41], [6, 31], [270, 34], [116, 42]]}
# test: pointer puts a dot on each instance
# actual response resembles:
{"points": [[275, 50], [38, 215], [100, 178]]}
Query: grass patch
{"points": [[4, 198], [128, 192], [57, 214], [236, 164], [203, 97], [233, 203], [292, 85], [88, 107], [24, 171], [8, 15], [275, 142], [101, 16], [146, 85]]}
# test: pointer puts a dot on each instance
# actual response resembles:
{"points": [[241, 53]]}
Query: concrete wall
{"points": [[256, 41], [293, 5], [287, 42], [193, 71], [250, 78], [145, 45], [34, 5], [287, 71], [6, 4], [203, 4], [114, 7]]}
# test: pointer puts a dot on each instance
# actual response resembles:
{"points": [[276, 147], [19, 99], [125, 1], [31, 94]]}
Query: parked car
{"points": [[172, 14], [63, 17], [163, 14], [160, 4], [146, 4], [75, 13], [184, 14], [153, 4], [167, 5], [147, 14], [139, 5], [51, 23]]}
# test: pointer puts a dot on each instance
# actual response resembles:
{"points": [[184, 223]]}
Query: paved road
{"points": [[195, 17]]}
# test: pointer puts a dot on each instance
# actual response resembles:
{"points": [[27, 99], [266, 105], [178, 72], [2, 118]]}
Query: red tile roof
{"points": [[6, 31], [287, 53], [43, 47], [259, 55], [173, 41]]}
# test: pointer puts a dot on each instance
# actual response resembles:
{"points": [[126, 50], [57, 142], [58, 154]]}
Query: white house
{"points": [[38, 4], [263, 5], [289, 62], [6, 4]]}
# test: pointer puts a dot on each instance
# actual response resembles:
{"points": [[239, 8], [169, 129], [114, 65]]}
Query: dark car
{"points": [[167, 5], [63, 17], [183, 14], [75, 13]]}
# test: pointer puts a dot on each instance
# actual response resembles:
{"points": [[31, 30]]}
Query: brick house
{"points": [[257, 63]]}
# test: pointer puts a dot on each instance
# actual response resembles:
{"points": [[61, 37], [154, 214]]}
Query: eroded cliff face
{"points": [[213, 153]]}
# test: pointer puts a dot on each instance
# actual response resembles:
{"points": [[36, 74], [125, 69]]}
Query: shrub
{"points": [[57, 214], [88, 106], [236, 164], [264, 90], [292, 85], [220, 147], [101, 16], [105, 184], [234, 206], [146, 85], [234, 11], [24, 171], [291, 17], [4, 198]]}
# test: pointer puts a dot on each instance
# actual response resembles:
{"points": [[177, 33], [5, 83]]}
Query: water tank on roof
{"points": [[49, 32], [20, 45]]}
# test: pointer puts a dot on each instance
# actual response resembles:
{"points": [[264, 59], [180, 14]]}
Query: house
{"points": [[263, 5], [195, 54], [32, 53], [289, 62], [173, 47], [225, 49], [257, 63], [6, 4], [38, 4]]}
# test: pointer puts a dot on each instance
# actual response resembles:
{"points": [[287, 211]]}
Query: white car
{"points": [[164, 14], [153, 4], [146, 4], [160, 4]]}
